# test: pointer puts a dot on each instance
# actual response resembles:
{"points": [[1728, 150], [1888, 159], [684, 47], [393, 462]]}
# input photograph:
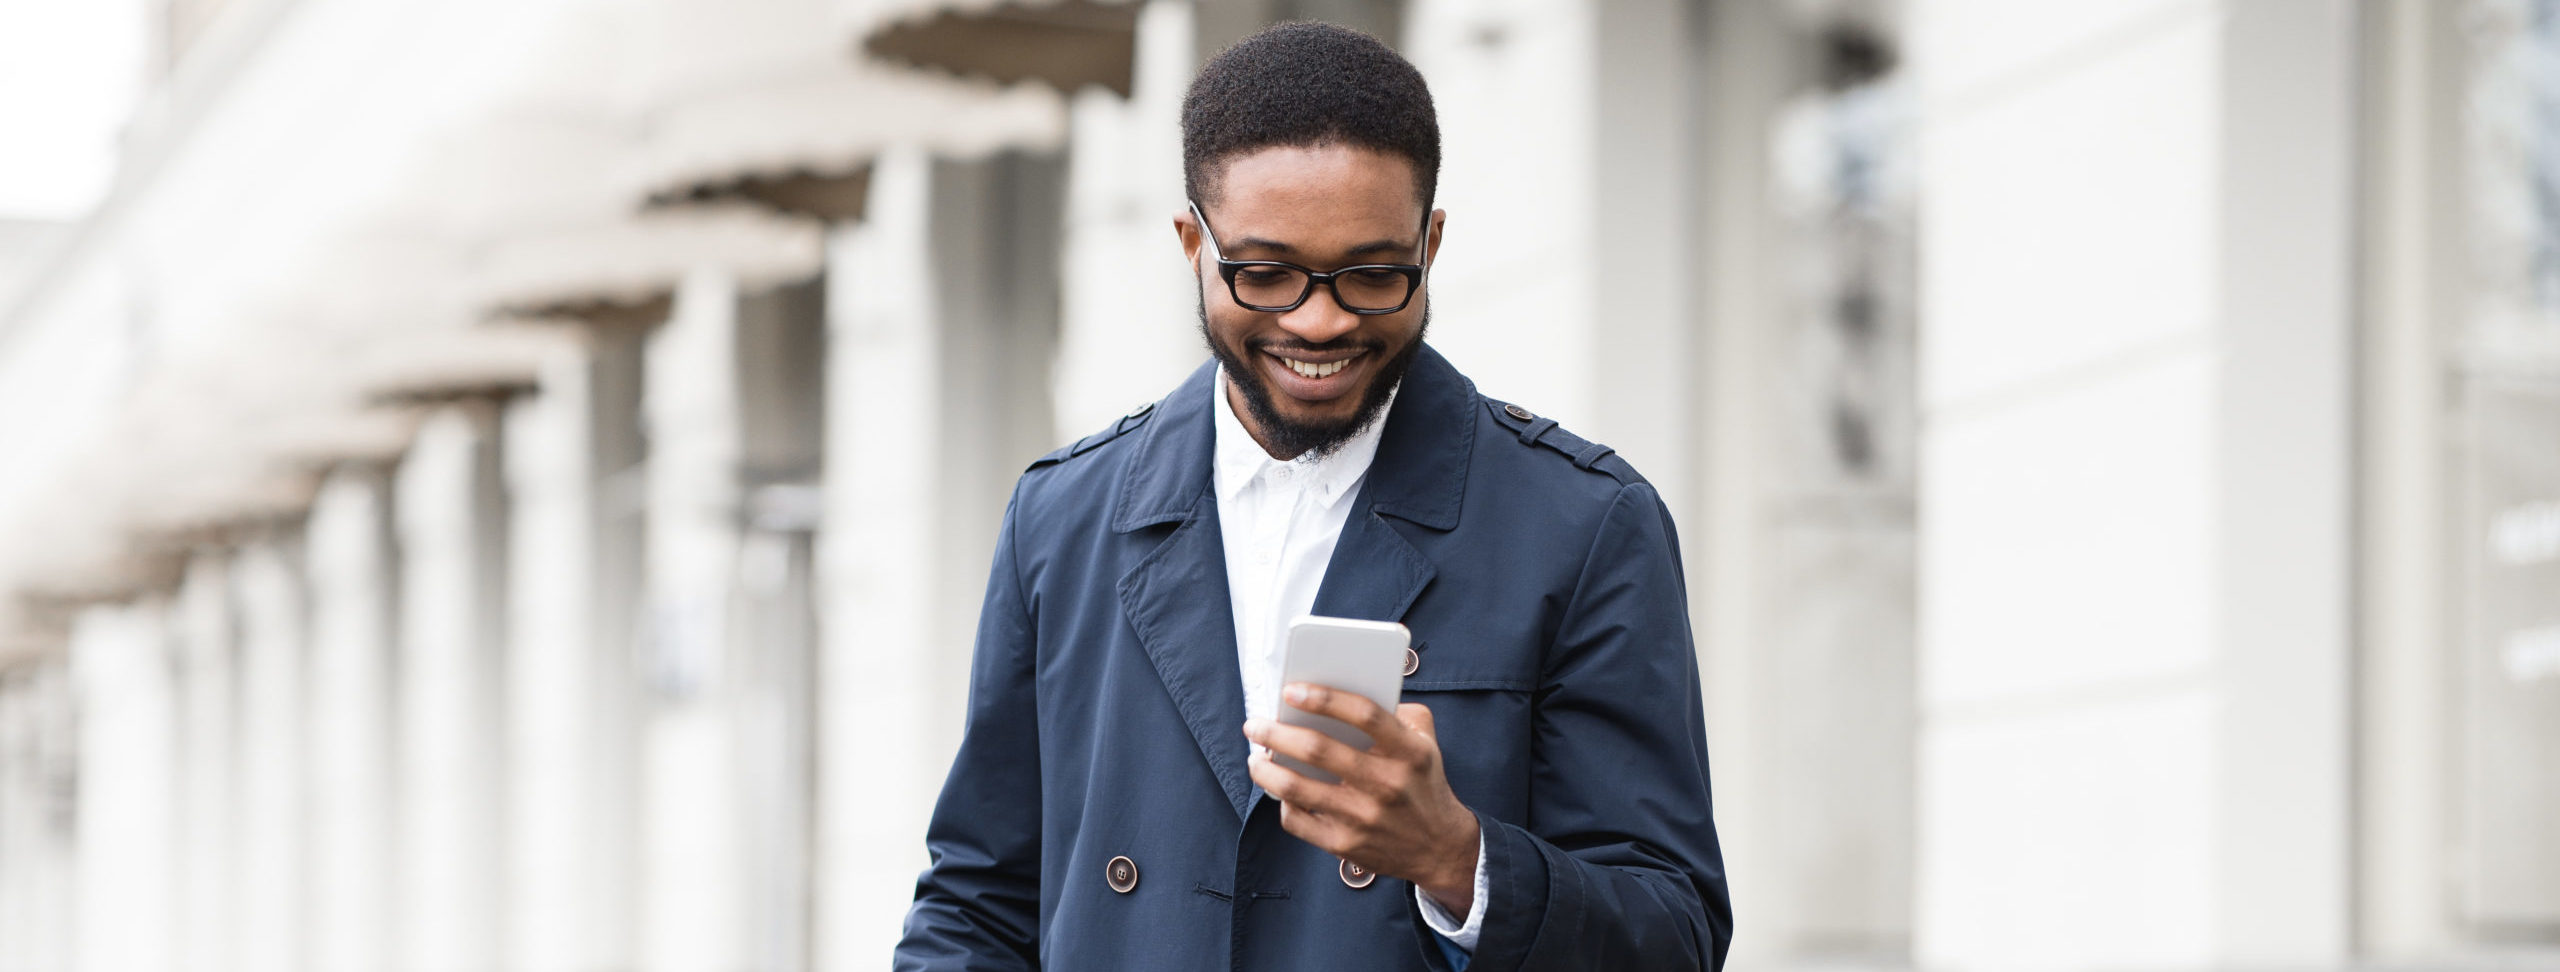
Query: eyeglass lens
{"points": [[1359, 289]]}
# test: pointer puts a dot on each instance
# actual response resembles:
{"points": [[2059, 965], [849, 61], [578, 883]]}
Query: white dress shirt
{"points": [[1280, 522]]}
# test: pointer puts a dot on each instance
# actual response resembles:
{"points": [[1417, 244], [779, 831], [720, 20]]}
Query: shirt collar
{"points": [[1240, 460]]}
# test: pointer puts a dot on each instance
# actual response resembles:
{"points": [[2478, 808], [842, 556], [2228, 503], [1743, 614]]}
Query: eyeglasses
{"points": [[1273, 287]]}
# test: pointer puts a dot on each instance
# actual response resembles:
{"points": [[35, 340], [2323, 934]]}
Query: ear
{"points": [[1187, 230], [1431, 249]]}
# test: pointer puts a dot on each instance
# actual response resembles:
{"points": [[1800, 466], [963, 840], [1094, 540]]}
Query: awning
{"points": [[759, 104], [1066, 44]]}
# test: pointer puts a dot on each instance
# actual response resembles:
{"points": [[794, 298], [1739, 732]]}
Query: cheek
{"points": [[1228, 325]]}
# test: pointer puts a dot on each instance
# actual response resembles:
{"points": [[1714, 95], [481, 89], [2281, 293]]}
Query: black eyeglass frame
{"points": [[1414, 274]]}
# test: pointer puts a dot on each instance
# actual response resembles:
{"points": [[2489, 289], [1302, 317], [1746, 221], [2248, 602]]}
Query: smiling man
{"points": [[1541, 802]]}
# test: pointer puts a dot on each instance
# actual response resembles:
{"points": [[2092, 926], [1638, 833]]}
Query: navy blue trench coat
{"points": [[1541, 579]]}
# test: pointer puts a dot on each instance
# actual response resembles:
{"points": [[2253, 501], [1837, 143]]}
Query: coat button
{"points": [[1412, 661], [1519, 413], [1357, 876], [1122, 873]]}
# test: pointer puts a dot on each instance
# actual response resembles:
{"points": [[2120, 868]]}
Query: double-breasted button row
{"points": [[1122, 873]]}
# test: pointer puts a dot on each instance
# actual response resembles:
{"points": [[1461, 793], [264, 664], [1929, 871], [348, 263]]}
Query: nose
{"points": [[1321, 318]]}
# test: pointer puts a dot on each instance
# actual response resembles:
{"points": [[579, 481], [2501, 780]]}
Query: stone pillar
{"points": [[736, 410], [272, 828], [207, 866], [2135, 648], [943, 314], [693, 910], [451, 514], [782, 371], [2285, 421], [36, 807], [128, 810], [354, 592], [572, 547]]}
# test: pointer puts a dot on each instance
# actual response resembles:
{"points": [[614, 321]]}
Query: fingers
{"points": [[1417, 717], [1327, 834], [1294, 789], [1349, 707], [1323, 814], [1304, 745]]}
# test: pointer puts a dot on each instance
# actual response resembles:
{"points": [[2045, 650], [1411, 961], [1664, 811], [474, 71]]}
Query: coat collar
{"points": [[1419, 475]]}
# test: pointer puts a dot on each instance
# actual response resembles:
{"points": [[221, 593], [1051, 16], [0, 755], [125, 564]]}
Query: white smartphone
{"points": [[1361, 657]]}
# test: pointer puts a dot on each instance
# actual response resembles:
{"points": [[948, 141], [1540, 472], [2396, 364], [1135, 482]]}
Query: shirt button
{"points": [[1412, 661], [1357, 876], [1123, 874]]}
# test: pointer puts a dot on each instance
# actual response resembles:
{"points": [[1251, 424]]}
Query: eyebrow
{"points": [[1362, 250]]}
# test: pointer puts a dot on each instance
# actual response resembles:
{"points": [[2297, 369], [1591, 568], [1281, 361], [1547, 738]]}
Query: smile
{"points": [[1311, 369]]}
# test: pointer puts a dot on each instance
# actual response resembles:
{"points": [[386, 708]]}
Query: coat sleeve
{"points": [[1618, 865], [977, 906]]}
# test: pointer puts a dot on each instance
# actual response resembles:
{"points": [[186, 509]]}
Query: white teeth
{"points": [[1312, 370]]}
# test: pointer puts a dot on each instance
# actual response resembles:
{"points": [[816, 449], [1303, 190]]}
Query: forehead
{"points": [[1316, 196]]}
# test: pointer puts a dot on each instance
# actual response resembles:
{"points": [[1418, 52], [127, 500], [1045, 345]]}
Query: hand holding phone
{"points": [[1361, 657]]}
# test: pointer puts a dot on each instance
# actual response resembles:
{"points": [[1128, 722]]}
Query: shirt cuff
{"points": [[1463, 935]]}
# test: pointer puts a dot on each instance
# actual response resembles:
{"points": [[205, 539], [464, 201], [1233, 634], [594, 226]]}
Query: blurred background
{"points": [[506, 484]]}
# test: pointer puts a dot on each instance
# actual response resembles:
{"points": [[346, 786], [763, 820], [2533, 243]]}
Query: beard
{"points": [[1312, 439]]}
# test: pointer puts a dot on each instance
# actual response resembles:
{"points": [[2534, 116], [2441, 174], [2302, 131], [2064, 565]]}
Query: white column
{"points": [[735, 412], [353, 576], [880, 565], [450, 511], [207, 650], [564, 682], [782, 340], [128, 812], [938, 399], [2134, 233], [693, 915], [2285, 419], [272, 831], [36, 855], [2418, 278]]}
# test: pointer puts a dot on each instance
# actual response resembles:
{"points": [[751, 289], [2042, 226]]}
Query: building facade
{"points": [[506, 484]]}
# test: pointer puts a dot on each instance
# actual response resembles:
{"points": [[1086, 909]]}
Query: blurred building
{"points": [[505, 484]]}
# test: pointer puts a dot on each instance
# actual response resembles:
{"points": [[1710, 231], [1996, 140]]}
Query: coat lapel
{"points": [[1176, 600], [1176, 597], [1419, 476]]}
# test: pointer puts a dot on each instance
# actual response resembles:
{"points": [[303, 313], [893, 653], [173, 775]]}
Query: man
{"points": [[1541, 802]]}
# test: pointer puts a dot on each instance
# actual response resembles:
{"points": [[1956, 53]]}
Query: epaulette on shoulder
{"points": [[1538, 430], [1119, 427]]}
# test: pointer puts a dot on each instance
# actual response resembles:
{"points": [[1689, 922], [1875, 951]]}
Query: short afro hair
{"points": [[1300, 84]]}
